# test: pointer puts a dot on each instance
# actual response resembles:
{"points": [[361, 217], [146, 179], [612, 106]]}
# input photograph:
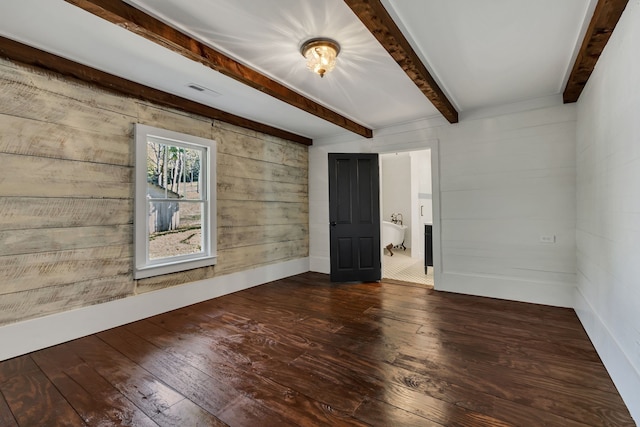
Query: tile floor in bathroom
{"points": [[402, 267]]}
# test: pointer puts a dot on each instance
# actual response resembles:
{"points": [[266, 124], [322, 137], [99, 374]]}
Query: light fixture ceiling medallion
{"points": [[321, 54]]}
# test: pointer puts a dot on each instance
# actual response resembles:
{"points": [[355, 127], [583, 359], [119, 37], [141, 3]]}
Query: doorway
{"points": [[407, 209]]}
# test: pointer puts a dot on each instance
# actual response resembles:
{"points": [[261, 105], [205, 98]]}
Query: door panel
{"points": [[354, 215]]}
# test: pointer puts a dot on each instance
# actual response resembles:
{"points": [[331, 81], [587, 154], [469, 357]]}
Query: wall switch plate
{"points": [[547, 239]]}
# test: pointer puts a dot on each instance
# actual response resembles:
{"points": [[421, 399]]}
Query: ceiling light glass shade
{"points": [[321, 55]]}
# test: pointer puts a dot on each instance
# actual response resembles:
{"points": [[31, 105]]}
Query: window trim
{"points": [[143, 267]]}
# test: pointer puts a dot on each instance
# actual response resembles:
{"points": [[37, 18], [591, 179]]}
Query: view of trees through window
{"points": [[175, 199]]}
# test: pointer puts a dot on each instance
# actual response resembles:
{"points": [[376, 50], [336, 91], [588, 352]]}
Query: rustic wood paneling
{"points": [[278, 151], [174, 279], [18, 213], [39, 302], [242, 167], [16, 242], [22, 99], [63, 178], [236, 237], [232, 260], [51, 269], [31, 137], [238, 258], [241, 213], [173, 120], [253, 189], [52, 83], [66, 207]]}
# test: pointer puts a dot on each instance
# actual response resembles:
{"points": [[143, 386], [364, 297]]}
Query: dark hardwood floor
{"points": [[305, 352]]}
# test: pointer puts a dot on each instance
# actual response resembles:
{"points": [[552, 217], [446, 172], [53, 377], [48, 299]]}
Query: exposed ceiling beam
{"points": [[604, 20], [140, 23], [376, 18], [28, 55]]}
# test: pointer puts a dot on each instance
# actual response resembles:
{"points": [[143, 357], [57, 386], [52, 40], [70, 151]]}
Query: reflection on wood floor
{"points": [[305, 352]]}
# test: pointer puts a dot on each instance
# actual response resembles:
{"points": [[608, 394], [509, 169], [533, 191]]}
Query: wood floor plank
{"points": [[264, 358], [21, 365], [226, 366], [307, 352], [375, 412], [134, 382], [187, 413], [280, 313], [95, 400], [192, 383], [34, 400], [242, 352], [465, 346], [437, 410], [247, 412], [312, 330], [535, 360], [388, 375], [6, 417], [481, 325], [567, 401]]}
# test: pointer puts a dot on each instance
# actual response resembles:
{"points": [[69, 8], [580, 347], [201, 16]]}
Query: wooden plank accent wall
{"points": [[66, 188]]}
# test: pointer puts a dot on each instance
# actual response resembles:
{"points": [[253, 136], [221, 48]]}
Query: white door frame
{"points": [[433, 145]]}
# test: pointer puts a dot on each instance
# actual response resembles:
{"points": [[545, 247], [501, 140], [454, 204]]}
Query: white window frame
{"points": [[143, 266]]}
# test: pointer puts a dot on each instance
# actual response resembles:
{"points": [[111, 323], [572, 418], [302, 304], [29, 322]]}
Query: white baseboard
{"points": [[625, 377], [555, 294], [320, 264], [35, 334]]}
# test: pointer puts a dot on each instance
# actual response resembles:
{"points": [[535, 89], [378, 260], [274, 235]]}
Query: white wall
{"points": [[319, 200], [608, 201], [504, 181], [396, 189], [507, 181]]}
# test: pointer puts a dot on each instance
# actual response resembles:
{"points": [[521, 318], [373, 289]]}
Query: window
{"points": [[175, 217]]}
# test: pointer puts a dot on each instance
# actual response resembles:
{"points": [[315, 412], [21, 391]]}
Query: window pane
{"points": [[173, 171], [190, 174], [156, 176], [175, 228]]}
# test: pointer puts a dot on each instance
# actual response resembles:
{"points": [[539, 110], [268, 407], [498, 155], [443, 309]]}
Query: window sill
{"points": [[175, 267]]}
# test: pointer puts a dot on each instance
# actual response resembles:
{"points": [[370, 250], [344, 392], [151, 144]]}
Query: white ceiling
{"points": [[483, 53]]}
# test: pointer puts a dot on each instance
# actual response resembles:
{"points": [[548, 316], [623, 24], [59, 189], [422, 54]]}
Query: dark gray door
{"points": [[354, 215]]}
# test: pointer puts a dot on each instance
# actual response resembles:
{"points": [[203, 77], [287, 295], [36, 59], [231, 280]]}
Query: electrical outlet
{"points": [[548, 239]]}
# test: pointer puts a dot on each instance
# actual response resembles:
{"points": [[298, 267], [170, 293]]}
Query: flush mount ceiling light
{"points": [[321, 54]]}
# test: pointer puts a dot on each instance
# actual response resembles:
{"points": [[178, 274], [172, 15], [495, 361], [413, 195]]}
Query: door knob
{"points": [[332, 223]]}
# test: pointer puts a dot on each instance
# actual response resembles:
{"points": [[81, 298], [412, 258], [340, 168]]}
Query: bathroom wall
{"points": [[396, 189], [421, 173], [421, 199]]}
